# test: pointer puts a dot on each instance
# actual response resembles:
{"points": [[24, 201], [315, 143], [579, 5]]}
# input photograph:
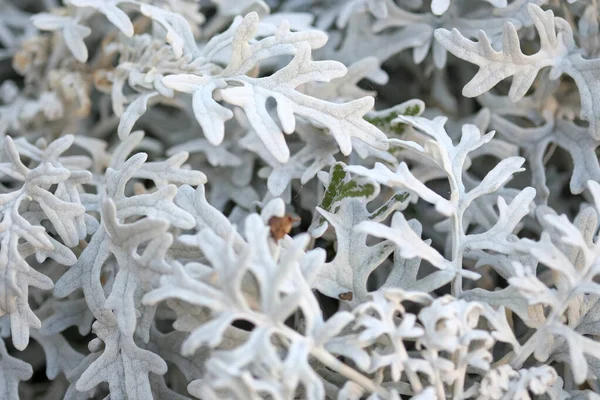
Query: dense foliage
{"points": [[299, 199]]}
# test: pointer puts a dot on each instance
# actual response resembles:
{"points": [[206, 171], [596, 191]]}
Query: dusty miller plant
{"points": [[299, 199]]}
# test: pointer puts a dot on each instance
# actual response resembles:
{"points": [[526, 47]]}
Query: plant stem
{"points": [[331, 362], [57, 55], [529, 347], [457, 238], [459, 384], [525, 351]]}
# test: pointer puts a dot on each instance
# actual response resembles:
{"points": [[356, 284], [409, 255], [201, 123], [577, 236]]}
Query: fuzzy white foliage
{"points": [[344, 121], [220, 290], [62, 208], [288, 224], [453, 160], [558, 51], [73, 33]]}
